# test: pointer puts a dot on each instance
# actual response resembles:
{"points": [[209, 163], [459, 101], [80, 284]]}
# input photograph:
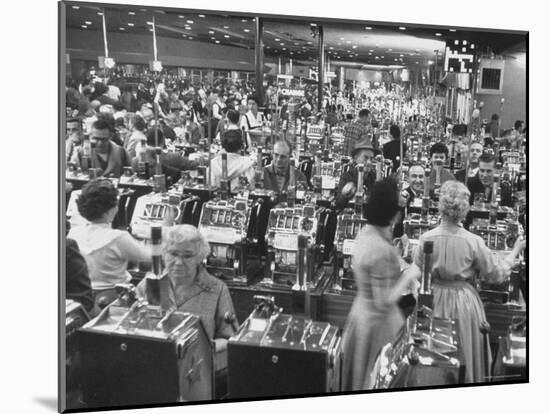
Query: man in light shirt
{"points": [[237, 165]]}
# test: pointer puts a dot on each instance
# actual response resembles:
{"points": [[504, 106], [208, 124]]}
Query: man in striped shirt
{"points": [[357, 133]]}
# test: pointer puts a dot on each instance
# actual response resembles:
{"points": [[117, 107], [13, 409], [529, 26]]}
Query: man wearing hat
{"points": [[347, 187]]}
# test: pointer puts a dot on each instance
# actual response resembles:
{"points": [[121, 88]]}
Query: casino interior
{"points": [[260, 205]]}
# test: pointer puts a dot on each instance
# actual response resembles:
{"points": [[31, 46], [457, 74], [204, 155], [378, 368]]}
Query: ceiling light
{"points": [[350, 55], [381, 57], [243, 20], [211, 32], [268, 47], [400, 55], [284, 48], [183, 35], [309, 43], [402, 28], [84, 26], [331, 48], [187, 27], [76, 7], [452, 30], [99, 14], [189, 21], [217, 41], [354, 47], [202, 16], [313, 24], [291, 53], [88, 23], [342, 38], [226, 27], [122, 28], [226, 36], [370, 54], [395, 59], [143, 10], [416, 63], [181, 16], [132, 13], [213, 38], [282, 44], [246, 30], [430, 62], [150, 23], [376, 57], [390, 50], [190, 38], [150, 30], [368, 28], [277, 39], [296, 44], [303, 47], [438, 34]]}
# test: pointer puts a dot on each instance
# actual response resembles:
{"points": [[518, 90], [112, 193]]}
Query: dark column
{"points": [[259, 59], [321, 66]]}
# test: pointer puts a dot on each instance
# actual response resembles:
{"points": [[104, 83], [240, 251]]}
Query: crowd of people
{"points": [[125, 124]]}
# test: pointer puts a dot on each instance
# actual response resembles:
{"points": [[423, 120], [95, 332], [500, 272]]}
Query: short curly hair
{"points": [[454, 201], [97, 197], [185, 235]]}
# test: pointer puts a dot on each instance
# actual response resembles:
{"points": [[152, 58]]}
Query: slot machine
{"points": [[277, 354], [285, 225], [349, 225], [225, 224], [153, 208], [314, 138], [116, 347]]}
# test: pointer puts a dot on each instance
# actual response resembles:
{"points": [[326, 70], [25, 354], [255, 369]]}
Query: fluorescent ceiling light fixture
{"points": [[189, 21], [84, 26], [190, 38], [284, 48], [211, 32], [226, 27], [99, 14], [217, 41], [76, 7], [181, 16], [438, 34], [131, 24], [122, 28], [202, 16], [452, 30], [88, 23], [246, 30], [368, 28], [132, 13], [226, 36], [402, 28], [243, 20], [313, 24], [150, 23]]}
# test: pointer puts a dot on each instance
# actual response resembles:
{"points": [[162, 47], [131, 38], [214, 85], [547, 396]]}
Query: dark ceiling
{"points": [[356, 43]]}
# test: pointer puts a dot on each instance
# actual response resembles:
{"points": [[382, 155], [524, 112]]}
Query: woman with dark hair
{"points": [[375, 317], [107, 251]]}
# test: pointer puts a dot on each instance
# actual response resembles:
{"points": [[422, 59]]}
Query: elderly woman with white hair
{"points": [[458, 257], [191, 288]]}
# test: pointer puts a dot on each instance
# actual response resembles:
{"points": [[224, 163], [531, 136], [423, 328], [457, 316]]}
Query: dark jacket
{"points": [[271, 182], [172, 163], [78, 285], [391, 151], [475, 186], [369, 178]]}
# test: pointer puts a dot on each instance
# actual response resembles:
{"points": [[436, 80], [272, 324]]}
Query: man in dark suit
{"points": [[481, 185], [362, 154], [476, 149], [391, 149]]}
